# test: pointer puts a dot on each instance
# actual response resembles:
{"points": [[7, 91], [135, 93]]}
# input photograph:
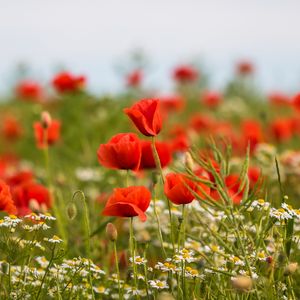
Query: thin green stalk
{"points": [[132, 250], [46, 272], [117, 268], [158, 166], [88, 233], [158, 224]]}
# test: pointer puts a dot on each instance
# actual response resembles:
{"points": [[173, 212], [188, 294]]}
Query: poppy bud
{"points": [[4, 267], [71, 210], [111, 232], [155, 176], [189, 161], [290, 269], [242, 283], [46, 119]]}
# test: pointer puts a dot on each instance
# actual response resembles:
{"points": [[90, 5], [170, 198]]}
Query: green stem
{"points": [[158, 224], [117, 268], [158, 166], [132, 248], [88, 234]]}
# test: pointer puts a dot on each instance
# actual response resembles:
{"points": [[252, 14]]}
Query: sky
{"points": [[94, 37]]}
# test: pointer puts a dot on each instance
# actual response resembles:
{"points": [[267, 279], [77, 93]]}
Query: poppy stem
{"points": [[132, 248], [117, 269], [158, 166], [158, 223]]}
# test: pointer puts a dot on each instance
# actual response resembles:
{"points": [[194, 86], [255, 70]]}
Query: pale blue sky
{"points": [[91, 37]]}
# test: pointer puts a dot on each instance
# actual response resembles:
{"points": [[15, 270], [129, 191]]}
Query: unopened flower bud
{"points": [[71, 210], [111, 232], [290, 269], [46, 119], [4, 267], [34, 205], [189, 163], [242, 283], [155, 177]]}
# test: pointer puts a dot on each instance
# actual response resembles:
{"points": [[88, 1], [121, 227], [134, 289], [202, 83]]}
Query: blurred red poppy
{"points": [[296, 102], [6, 202], [232, 183], [164, 152], [134, 79], [47, 136], [128, 202], [279, 98], [11, 129], [27, 192], [146, 116], [67, 82], [172, 103], [281, 129], [123, 151], [251, 133], [185, 73], [245, 67], [178, 188], [29, 90], [211, 99], [18, 178]]}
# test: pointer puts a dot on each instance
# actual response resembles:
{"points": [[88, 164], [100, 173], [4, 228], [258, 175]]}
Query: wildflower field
{"points": [[142, 195]]}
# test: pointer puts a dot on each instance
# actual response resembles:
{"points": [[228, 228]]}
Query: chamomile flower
{"points": [[280, 214], [55, 240], [158, 284], [138, 260], [167, 267]]}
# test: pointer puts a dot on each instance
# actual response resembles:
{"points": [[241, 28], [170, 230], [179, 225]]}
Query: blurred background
{"points": [[102, 38]]}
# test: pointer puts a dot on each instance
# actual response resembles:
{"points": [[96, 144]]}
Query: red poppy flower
{"points": [[202, 123], [146, 116], [245, 67], [18, 178], [252, 133], [254, 174], [46, 136], [185, 73], [281, 129], [128, 202], [211, 99], [123, 151], [134, 78], [180, 143], [11, 128], [6, 202], [24, 193], [29, 90], [232, 183], [178, 188], [164, 152], [67, 82], [171, 103], [296, 102], [278, 98]]}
